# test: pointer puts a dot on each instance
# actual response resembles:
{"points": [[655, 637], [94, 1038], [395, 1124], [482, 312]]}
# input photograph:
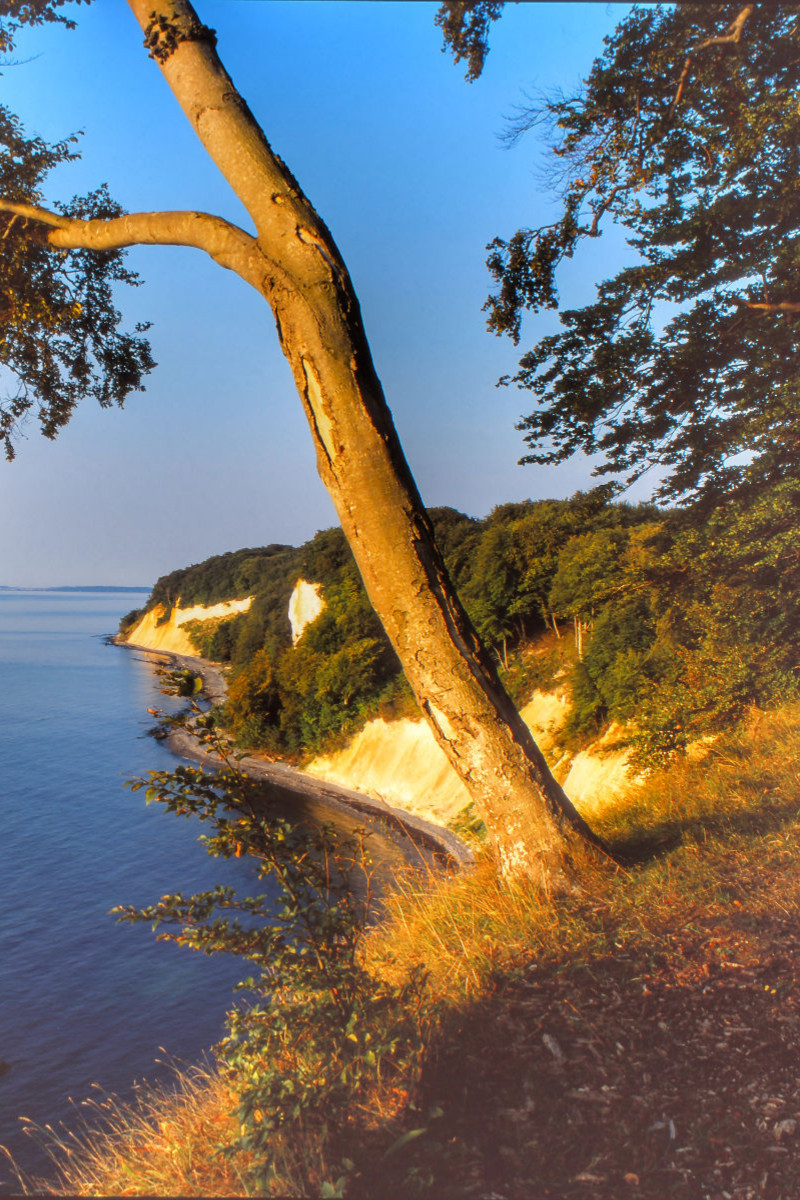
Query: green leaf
{"points": [[407, 1137]]}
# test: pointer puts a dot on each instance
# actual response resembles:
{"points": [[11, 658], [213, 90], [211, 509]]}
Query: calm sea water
{"points": [[85, 1001]]}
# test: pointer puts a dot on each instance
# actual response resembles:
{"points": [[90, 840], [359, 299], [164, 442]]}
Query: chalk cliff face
{"points": [[402, 764], [171, 636], [305, 605], [600, 774]]}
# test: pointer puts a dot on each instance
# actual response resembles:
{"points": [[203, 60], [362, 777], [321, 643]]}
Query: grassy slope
{"points": [[635, 1039], [639, 1039]]}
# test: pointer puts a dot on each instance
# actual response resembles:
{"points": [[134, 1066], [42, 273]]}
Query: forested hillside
{"points": [[675, 620]]}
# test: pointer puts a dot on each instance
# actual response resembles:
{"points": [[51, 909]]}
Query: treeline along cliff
{"points": [[676, 620]]}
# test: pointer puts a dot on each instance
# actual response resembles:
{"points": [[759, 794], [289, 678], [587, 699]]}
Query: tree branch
{"points": [[605, 202], [733, 36], [224, 242], [785, 306]]}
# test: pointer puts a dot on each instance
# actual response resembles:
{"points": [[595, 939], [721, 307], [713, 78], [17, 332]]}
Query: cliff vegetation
{"points": [[678, 618]]}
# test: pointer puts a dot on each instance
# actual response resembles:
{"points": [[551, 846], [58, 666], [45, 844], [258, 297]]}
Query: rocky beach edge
{"points": [[421, 843]]}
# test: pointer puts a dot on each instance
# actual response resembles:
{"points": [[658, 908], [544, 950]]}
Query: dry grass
{"points": [[461, 930], [168, 1142], [734, 785], [691, 835], [162, 1144]]}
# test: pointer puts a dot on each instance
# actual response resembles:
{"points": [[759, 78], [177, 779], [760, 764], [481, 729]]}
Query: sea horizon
{"points": [[75, 587]]}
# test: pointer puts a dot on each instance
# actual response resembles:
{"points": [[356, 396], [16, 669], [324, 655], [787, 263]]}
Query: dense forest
{"points": [[670, 620]]}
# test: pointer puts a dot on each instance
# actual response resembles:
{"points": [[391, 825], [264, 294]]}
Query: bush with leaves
{"points": [[691, 619], [728, 599], [320, 1035], [233, 575], [130, 619], [215, 639]]}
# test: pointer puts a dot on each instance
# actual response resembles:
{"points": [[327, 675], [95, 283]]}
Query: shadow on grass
{"points": [[635, 846], [620, 1075], [638, 1038]]}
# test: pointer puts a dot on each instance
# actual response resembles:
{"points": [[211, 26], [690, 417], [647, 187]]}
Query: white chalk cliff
{"points": [[170, 636], [305, 605], [402, 764]]}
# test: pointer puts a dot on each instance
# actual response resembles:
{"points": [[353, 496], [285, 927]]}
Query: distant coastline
{"points": [[93, 587]]}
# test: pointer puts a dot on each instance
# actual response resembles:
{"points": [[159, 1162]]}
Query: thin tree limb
{"points": [[606, 202], [733, 36], [785, 306]]}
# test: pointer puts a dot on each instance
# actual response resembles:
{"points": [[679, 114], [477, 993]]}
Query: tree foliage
{"points": [[686, 134], [465, 26], [16, 13], [318, 1031], [690, 623], [294, 700], [230, 576], [685, 623], [61, 339]]}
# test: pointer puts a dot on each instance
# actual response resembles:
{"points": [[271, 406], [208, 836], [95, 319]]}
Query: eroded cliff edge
{"points": [[398, 764]]}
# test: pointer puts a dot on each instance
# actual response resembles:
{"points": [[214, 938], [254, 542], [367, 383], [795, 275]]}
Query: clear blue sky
{"points": [[402, 159]]}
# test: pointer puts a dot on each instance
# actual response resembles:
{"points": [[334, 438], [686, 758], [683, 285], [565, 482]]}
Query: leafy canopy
{"points": [[61, 340], [686, 133], [14, 13], [465, 27]]}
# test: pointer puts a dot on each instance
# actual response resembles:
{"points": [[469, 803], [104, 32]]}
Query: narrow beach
{"points": [[420, 843]]}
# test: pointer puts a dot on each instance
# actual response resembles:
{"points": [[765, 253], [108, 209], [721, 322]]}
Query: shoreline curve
{"points": [[420, 842]]}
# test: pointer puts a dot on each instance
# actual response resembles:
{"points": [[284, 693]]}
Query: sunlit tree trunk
{"points": [[296, 266], [550, 617]]}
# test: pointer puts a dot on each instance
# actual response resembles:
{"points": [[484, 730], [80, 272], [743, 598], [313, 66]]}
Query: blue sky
{"points": [[403, 161]]}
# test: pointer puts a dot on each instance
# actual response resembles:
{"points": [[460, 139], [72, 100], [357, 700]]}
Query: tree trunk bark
{"points": [[579, 638], [298, 269]]}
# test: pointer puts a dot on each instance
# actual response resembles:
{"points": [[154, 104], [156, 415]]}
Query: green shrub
{"points": [[215, 639], [319, 1032], [131, 619]]}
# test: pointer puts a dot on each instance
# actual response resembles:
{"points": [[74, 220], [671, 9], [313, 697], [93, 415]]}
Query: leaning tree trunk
{"points": [[297, 267]]}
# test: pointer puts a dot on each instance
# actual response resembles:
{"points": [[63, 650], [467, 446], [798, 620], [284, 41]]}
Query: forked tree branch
{"points": [[733, 36]]}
